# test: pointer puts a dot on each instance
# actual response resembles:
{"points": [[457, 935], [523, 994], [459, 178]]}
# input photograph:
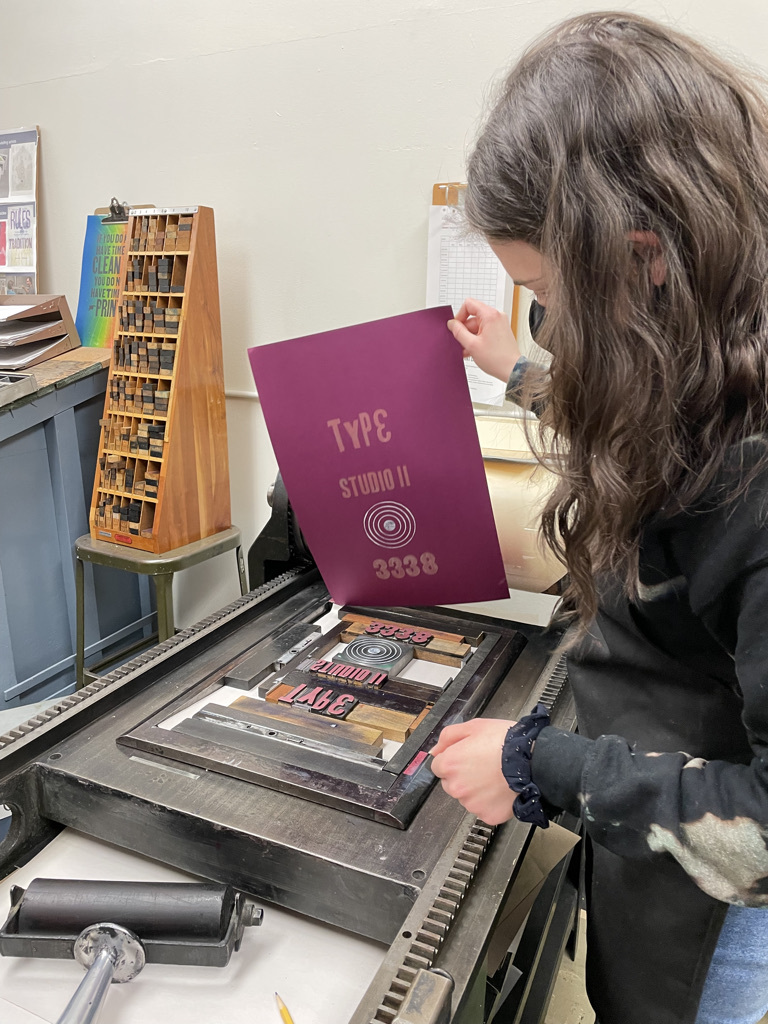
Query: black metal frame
{"points": [[372, 788]]}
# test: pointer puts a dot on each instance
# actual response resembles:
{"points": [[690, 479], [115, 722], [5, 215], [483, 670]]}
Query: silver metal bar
{"points": [[85, 1005], [110, 953]]}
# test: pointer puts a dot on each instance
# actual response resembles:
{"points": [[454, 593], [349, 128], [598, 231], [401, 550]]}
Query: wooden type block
{"points": [[386, 697], [358, 623], [395, 725], [322, 700], [358, 738], [333, 704], [344, 672]]}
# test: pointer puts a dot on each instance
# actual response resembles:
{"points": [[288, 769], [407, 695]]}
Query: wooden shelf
{"points": [[137, 415], [127, 494], [147, 334], [192, 473], [132, 455], [158, 295], [120, 372]]}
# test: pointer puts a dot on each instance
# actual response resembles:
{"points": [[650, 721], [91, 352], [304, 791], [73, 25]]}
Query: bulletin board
{"points": [[19, 148]]}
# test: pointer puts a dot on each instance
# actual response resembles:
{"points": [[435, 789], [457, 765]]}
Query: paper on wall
{"points": [[461, 265]]}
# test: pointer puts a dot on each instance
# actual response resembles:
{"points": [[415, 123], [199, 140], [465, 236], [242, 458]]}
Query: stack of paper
{"points": [[33, 331]]}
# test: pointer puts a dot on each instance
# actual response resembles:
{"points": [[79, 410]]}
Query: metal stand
{"points": [[160, 567]]}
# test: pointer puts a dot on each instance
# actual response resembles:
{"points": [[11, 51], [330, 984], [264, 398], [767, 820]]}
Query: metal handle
{"points": [[111, 953]]}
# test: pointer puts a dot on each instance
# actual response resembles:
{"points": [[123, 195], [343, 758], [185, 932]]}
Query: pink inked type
{"points": [[416, 763]]}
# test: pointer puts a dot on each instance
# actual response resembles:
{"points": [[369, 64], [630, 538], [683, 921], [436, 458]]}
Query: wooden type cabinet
{"points": [[162, 479]]}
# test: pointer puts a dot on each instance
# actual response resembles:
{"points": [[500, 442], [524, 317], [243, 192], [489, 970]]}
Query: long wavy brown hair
{"points": [[613, 124]]}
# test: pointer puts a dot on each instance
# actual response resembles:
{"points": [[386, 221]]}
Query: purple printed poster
{"points": [[375, 437]]}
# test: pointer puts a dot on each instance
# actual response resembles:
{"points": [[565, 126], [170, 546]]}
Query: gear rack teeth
{"points": [[431, 935]]}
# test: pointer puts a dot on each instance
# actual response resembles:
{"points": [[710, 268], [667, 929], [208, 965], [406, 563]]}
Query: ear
{"points": [[648, 247]]}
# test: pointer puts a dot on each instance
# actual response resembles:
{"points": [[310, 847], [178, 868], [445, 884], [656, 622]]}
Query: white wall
{"points": [[314, 128]]}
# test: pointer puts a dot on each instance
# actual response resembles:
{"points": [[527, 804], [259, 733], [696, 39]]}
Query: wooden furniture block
{"points": [[417, 722], [444, 652], [165, 408], [395, 725], [358, 738], [278, 690]]}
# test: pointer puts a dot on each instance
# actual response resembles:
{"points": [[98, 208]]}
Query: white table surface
{"points": [[320, 972]]}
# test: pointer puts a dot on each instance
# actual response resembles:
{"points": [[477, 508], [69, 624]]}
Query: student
{"points": [[623, 176]]}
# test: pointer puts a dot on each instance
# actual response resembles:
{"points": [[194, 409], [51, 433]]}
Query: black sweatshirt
{"points": [[685, 665]]}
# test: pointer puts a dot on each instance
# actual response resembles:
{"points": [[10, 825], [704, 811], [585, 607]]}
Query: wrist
{"points": [[516, 765]]}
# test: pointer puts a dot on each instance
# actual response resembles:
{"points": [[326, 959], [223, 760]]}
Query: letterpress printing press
{"points": [[280, 746]]}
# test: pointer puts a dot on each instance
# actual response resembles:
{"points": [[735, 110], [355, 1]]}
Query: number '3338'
{"points": [[409, 565]]}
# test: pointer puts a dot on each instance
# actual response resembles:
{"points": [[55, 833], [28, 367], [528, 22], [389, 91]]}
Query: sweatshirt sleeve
{"points": [[516, 380], [711, 816], [516, 384]]}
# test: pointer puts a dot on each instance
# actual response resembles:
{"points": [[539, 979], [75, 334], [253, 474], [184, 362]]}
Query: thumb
{"points": [[462, 334]]}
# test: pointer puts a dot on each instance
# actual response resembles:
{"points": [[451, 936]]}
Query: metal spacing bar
{"points": [[429, 937], [120, 674]]}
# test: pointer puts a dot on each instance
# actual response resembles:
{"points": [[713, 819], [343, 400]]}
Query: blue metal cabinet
{"points": [[48, 451]]}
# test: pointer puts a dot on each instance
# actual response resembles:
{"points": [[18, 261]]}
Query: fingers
{"points": [[473, 307], [452, 734]]}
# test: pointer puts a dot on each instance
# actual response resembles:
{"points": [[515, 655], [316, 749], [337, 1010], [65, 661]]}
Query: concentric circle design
{"points": [[389, 524], [372, 651]]}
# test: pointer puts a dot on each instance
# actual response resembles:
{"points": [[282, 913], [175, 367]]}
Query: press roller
{"points": [[114, 928]]}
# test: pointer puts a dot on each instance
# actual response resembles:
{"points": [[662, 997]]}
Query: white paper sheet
{"points": [[321, 972], [461, 265], [7, 311]]}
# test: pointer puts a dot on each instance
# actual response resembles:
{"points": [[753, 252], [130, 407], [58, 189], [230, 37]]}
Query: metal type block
{"points": [[383, 654], [271, 654]]}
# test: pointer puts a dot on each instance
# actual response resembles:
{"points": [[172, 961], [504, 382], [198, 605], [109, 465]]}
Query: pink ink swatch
{"points": [[375, 437]]}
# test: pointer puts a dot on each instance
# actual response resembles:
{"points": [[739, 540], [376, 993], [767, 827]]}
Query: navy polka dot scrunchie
{"points": [[516, 766]]}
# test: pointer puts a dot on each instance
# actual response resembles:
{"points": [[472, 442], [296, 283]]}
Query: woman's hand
{"points": [[467, 758], [486, 335]]}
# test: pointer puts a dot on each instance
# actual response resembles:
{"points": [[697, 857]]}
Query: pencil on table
{"points": [[283, 1009]]}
